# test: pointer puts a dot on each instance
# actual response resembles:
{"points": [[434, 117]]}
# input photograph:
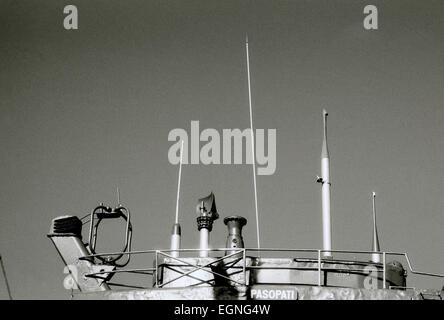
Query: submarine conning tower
{"points": [[236, 271], [234, 267], [239, 267]]}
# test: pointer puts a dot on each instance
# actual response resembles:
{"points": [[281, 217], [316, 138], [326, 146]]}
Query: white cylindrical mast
{"points": [[253, 154], [325, 171], [376, 257], [204, 225], [176, 232], [204, 241], [175, 240], [207, 214]]}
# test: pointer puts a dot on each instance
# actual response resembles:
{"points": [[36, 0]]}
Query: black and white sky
{"points": [[84, 111]]}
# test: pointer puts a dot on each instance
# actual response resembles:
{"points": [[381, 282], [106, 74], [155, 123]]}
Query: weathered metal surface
{"points": [[245, 292], [326, 293], [193, 293], [71, 248]]}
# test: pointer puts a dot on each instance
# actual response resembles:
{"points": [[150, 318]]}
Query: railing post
{"points": [[319, 267], [383, 270], [245, 266], [157, 269]]}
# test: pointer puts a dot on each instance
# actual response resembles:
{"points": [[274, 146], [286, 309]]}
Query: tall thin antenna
{"points": [[6, 278], [252, 143], [326, 184], [178, 184], [375, 243], [176, 232], [118, 196]]}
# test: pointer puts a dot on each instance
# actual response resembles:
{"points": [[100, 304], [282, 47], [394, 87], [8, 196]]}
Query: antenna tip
{"points": [[374, 194], [324, 112], [246, 38]]}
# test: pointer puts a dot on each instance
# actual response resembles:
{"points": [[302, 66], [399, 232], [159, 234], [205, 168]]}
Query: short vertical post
{"points": [[319, 267], [383, 270], [157, 268], [245, 266]]}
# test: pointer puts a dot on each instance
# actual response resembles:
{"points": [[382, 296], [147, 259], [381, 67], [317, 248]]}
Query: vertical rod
{"points": [[118, 196], [384, 271], [375, 243], [176, 232], [156, 284], [319, 267], [178, 184], [245, 266], [252, 143], [6, 278]]}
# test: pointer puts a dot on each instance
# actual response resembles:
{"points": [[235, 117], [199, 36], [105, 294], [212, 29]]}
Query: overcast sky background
{"points": [[84, 111]]}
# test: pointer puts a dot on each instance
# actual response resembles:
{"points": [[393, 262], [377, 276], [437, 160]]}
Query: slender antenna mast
{"points": [[6, 278], [118, 196], [178, 183], [176, 232], [252, 143], [326, 184], [375, 243]]}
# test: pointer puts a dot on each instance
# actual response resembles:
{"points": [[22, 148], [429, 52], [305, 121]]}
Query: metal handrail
{"points": [[244, 251], [196, 267]]}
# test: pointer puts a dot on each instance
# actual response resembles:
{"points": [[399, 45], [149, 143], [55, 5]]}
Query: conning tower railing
{"points": [[242, 254]]}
